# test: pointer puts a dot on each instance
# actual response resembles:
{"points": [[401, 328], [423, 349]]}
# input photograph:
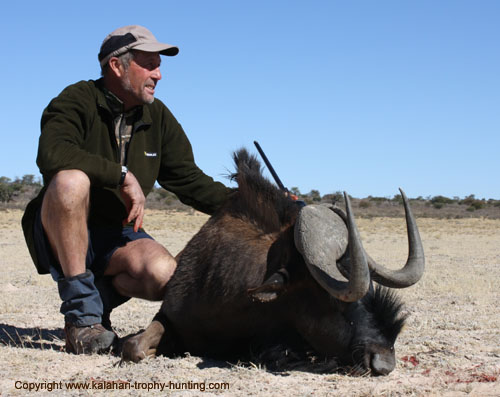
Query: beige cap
{"points": [[132, 37]]}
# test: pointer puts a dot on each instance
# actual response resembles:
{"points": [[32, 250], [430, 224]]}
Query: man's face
{"points": [[140, 79]]}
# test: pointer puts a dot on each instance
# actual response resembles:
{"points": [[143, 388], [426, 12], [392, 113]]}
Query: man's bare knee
{"points": [[157, 275], [68, 188], [149, 282]]}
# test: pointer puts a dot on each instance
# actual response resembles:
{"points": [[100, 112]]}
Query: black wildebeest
{"points": [[265, 271]]}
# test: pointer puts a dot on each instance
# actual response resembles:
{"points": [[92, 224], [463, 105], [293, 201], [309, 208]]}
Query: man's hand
{"points": [[134, 199]]}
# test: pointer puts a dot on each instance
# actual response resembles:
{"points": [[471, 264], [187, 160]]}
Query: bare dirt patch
{"points": [[450, 346]]}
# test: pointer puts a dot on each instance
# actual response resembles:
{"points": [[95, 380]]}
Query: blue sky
{"points": [[362, 96]]}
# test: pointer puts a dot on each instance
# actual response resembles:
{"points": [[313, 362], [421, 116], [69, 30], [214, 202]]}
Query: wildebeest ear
{"points": [[271, 288]]}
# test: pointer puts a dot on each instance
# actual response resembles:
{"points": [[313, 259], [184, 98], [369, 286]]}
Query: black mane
{"points": [[386, 308], [258, 199]]}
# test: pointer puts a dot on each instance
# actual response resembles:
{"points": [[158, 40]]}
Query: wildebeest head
{"points": [[325, 276]]}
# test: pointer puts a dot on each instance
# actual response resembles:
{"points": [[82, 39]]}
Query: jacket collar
{"points": [[112, 105]]}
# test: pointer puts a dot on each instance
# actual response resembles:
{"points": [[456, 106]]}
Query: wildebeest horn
{"points": [[318, 239], [415, 264]]}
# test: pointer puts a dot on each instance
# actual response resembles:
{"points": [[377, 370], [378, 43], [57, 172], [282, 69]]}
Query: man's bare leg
{"points": [[64, 218], [141, 269]]}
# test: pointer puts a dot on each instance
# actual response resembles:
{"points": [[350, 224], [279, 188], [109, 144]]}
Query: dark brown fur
{"points": [[208, 308]]}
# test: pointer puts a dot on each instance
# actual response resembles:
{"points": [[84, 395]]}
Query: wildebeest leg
{"points": [[145, 343]]}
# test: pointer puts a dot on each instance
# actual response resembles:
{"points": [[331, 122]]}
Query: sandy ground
{"points": [[450, 346]]}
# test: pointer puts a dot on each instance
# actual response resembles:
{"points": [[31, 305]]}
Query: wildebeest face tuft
{"points": [[377, 320]]}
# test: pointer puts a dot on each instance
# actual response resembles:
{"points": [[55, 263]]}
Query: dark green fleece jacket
{"points": [[78, 133]]}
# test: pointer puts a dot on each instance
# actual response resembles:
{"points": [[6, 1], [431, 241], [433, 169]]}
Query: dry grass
{"points": [[450, 346]]}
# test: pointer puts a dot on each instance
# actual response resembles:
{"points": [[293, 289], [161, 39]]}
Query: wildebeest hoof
{"points": [[135, 349], [143, 344]]}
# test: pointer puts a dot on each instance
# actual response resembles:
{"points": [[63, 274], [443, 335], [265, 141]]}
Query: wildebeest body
{"points": [[236, 250], [242, 285]]}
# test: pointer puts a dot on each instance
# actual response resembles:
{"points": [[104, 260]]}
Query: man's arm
{"points": [[180, 174], [134, 200]]}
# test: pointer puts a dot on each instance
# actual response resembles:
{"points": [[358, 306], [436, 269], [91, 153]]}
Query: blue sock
{"points": [[82, 304]]}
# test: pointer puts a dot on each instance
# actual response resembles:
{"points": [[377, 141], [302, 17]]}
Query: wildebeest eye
{"points": [[351, 323]]}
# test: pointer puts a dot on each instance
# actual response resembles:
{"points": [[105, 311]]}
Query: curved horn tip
{"points": [[403, 194], [347, 200], [414, 267]]}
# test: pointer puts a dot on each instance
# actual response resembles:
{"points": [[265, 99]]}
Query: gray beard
{"points": [[128, 88]]}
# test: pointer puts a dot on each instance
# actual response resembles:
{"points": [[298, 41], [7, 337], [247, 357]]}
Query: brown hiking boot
{"points": [[90, 339]]}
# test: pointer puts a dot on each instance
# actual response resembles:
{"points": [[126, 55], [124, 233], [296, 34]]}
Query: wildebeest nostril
{"points": [[382, 364]]}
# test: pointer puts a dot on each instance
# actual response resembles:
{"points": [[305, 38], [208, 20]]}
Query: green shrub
{"points": [[398, 199], [8, 189], [336, 197], [441, 200], [314, 195], [477, 204], [364, 204], [378, 199]]}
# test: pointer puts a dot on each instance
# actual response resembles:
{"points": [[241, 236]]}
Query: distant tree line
{"points": [[470, 202], [10, 189], [24, 188]]}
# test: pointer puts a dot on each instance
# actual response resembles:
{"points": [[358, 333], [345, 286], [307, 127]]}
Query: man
{"points": [[102, 147]]}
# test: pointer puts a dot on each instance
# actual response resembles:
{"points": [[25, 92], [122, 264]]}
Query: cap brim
{"points": [[163, 49]]}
